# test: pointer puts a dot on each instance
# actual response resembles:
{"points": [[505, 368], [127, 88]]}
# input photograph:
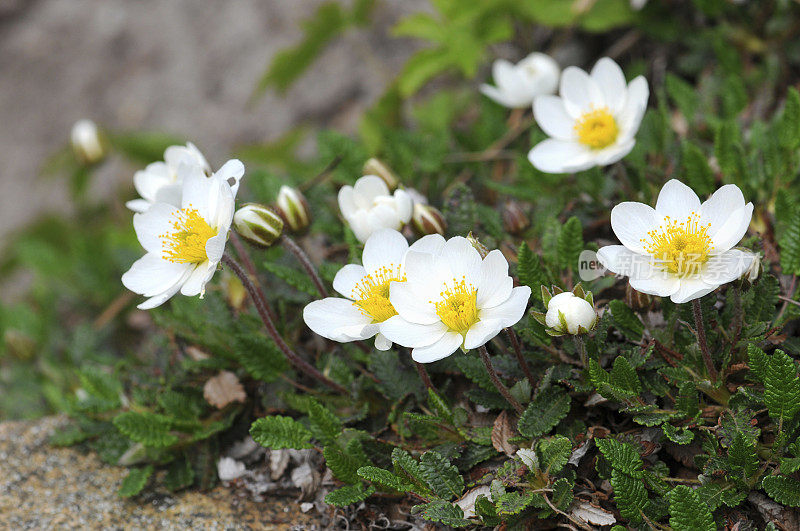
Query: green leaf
{"points": [[683, 94], [742, 455], [781, 387], [292, 276], [728, 150], [343, 466], [625, 320], [790, 465], [621, 456], [621, 384], [135, 481], [782, 489], [384, 478], [405, 465], [260, 357], [442, 477], [570, 243], [789, 243], [440, 406], [687, 512], [442, 512], [544, 412], [553, 453], [788, 125], [180, 475], [422, 66], [562, 493], [677, 435], [325, 426], [699, 175], [278, 432], [511, 503], [757, 361], [530, 270], [630, 494], [348, 495], [149, 429]]}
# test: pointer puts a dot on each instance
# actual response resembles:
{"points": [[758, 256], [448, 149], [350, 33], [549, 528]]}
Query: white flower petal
{"points": [[481, 332], [611, 80], [631, 116], [659, 284], [614, 152], [231, 173], [197, 189], [631, 221], [733, 230], [152, 223], [552, 117], [161, 298], [384, 248], [691, 288], [448, 344], [503, 73], [432, 243], [408, 334], [677, 201], [381, 343], [347, 201], [196, 282], [580, 92], [338, 320], [618, 259], [367, 188], [462, 258], [410, 304], [494, 283], [346, 279], [148, 181], [215, 247], [501, 97], [560, 156], [151, 275], [511, 311], [717, 209], [726, 267], [138, 205], [404, 205]]}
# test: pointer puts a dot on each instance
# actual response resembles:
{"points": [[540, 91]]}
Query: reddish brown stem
{"points": [[496, 380], [700, 328], [523, 363], [309, 268], [259, 301], [424, 376]]}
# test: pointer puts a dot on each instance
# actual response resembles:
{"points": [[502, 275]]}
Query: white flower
{"points": [[569, 313], [368, 206], [160, 181], [452, 298], [366, 306], [86, 142], [681, 249], [184, 244], [518, 84], [229, 469], [593, 120]]}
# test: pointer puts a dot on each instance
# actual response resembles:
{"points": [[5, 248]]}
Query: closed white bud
{"points": [[293, 208], [258, 224], [428, 220], [376, 167], [570, 314], [86, 142]]}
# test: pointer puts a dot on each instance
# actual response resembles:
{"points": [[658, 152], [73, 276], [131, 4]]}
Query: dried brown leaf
{"points": [[501, 432], [223, 389]]}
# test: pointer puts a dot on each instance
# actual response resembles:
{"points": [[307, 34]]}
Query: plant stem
{"points": [[700, 328], [302, 257], [581, 351], [496, 380], [247, 262], [512, 337], [426, 378], [261, 306]]}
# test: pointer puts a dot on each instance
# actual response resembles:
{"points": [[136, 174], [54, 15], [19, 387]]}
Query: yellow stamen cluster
{"points": [[680, 247], [458, 308], [597, 128], [186, 242], [371, 294]]}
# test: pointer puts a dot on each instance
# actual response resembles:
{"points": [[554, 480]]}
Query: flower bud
{"points": [[515, 220], [293, 208], [86, 142], [481, 248], [568, 312], [427, 220], [258, 224], [375, 167]]}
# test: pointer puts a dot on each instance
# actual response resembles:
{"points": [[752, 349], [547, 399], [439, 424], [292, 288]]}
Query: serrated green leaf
{"points": [[570, 243], [682, 94], [699, 175], [149, 429], [343, 466], [279, 432], [180, 475], [260, 357], [384, 478], [781, 387], [677, 435], [348, 495], [135, 481], [621, 456], [687, 512], [788, 125], [325, 426], [782, 489], [441, 512], [630, 494], [544, 412], [742, 455], [511, 503], [562, 493], [625, 320], [442, 477], [530, 270], [440, 406], [553, 453]]}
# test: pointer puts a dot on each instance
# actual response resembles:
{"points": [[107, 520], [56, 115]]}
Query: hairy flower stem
{"points": [[512, 337], [581, 345], [247, 262], [700, 327], [302, 257], [496, 380], [424, 376], [260, 303]]}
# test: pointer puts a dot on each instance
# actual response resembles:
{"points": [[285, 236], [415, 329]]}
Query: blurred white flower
{"points": [[293, 207], [518, 84], [592, 122], [160, 181], [368, 206], [86, 142], [366, 290], [184, 244], [682, 249], [570, 314], [452, 298], [229, 469]]}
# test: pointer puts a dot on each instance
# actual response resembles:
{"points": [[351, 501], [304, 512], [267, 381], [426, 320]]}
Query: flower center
{"points": [[186, 242], [458, 308], [680, 247], [371, 294], [597, 128]]}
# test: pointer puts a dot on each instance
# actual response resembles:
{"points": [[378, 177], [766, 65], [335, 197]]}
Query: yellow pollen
{"points": [[680, 247], [185, 243], [597, 128], [371, 294], [458, 308]]}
